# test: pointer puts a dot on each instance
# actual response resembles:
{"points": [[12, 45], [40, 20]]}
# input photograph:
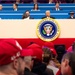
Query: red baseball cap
{"points": [[53, 51], [9, 50], [27, 52], [37, 51], [69, 49], [50, 45]]}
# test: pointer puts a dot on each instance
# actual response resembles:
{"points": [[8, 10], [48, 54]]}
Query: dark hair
{"points": [[37, 6], [16, 4], [57, 3], [25, 15], [47, 55]]}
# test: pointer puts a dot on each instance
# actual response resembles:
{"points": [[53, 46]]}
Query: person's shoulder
{"points": [[50, 71], [33, 73], [71, 18], [29, 73], [52, 17]]}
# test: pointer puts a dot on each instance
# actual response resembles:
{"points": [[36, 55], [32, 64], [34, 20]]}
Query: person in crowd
{"points": [[47, 15], [50, 1], [35, 1], [60, 51], [72, 15], [11, 62], [68, 60], [47, 55], [28, 56], [36, 8], [51, 59], [68, 64], [1, 7], [26, 15], [63, 69], [57, 8], [18, 2], [38, 67], [15, 7]]}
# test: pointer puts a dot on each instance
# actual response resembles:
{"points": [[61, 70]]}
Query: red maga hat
{"points": [[69, 49], [37, 51], [53, 51], [50, 45], [27, 52], [9, 50]]}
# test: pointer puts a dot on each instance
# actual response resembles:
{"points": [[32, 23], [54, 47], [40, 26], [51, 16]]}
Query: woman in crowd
{"points": [[35, 8]]}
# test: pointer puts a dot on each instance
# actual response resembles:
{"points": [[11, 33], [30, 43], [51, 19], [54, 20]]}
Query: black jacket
{"points": [[71, 18], [46, 17], [40, 69], [28, 72]]}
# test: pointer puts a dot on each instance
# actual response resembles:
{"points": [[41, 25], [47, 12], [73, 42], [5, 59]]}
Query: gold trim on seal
{"points": [[46, 39]]}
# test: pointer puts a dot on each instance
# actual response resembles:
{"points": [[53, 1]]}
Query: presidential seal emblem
{"points": [[48, 29]]}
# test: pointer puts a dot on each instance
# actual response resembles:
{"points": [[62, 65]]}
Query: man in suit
{"points": [[47, 15], [72, 15], [68, 63], [28, 53], [57, 8], [39, 67]]}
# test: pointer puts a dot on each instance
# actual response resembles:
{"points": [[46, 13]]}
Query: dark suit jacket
{"points": [[56, 10], [71, 18], [46, 17], [49, 71], [40, 69], [28, 72], [26, 17]]}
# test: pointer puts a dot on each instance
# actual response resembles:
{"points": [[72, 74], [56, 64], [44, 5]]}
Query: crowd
{"points": [[36, 1], [36, 7], [26, 15], [35, 59]]}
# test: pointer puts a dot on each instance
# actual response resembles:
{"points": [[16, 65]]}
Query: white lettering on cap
{"points": [[18, 54], [18, 45], [13, 57]]}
